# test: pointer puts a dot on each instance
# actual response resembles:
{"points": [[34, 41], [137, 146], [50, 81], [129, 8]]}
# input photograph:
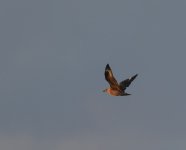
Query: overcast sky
{"points": [[52, 60]]}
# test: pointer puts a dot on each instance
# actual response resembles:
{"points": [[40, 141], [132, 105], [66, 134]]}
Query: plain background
{"points": [[52, 60]]}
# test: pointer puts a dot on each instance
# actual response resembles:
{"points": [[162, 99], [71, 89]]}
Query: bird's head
{"points": [[105, 90]]}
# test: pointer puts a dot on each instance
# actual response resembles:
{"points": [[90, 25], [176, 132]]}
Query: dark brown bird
{"points": [[116, 89]]}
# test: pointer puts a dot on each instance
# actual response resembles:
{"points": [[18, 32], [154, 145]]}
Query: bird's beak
{"points": [[104, 90]]}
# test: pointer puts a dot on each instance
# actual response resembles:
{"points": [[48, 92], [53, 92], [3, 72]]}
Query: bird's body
{"points": [[116, 89], [114, 92]]}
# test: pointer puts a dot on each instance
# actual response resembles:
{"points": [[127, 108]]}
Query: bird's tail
{"points": [[126, 94]]}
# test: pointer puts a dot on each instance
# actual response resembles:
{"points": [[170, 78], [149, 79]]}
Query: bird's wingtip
{"points": [[107, 66]]}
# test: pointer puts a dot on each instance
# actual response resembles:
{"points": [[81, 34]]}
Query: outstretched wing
{"points": [[124, 84], [110, 77]]}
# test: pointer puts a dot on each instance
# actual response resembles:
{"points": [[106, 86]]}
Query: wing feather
{"points": [[124, 84], [110, 77]]}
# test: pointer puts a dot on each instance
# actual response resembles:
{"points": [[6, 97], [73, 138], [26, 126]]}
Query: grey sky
{"points": [[52, 60]]}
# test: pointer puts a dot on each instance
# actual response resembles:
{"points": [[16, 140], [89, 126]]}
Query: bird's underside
{"points": [[117, 89]]}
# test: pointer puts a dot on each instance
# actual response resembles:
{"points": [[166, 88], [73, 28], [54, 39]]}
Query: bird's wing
{"points": [[110, 77], [124, 84]]}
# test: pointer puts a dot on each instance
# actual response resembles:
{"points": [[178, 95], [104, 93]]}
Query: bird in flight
{"points": [[116, 89]]}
